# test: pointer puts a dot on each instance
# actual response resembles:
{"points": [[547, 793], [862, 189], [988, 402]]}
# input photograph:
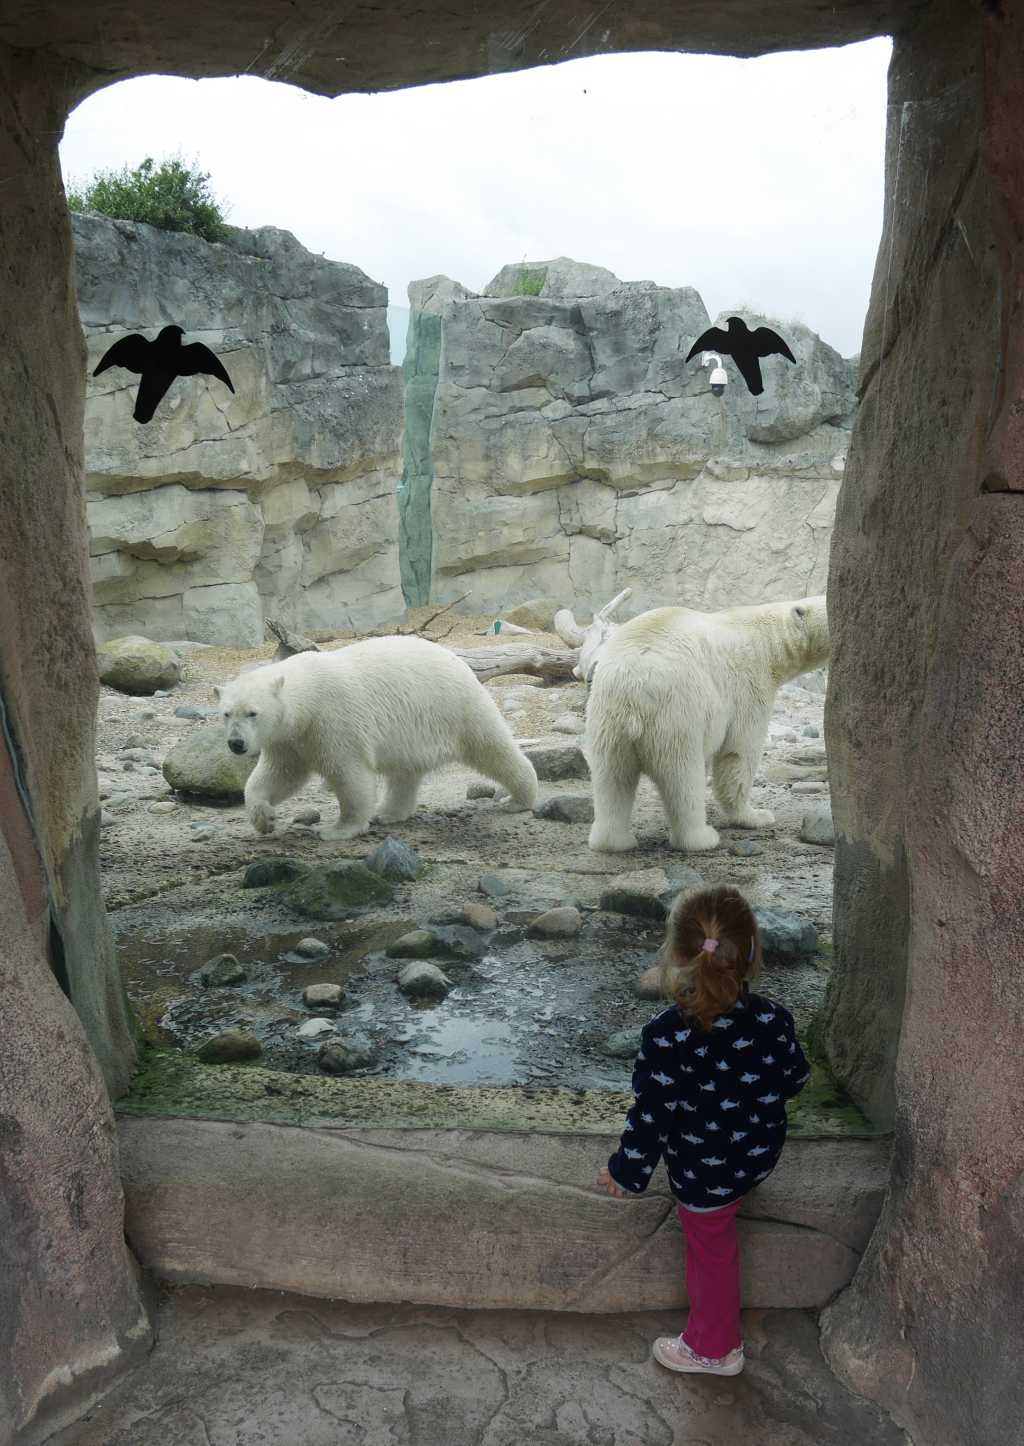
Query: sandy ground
{"points": [[528, 1011]]}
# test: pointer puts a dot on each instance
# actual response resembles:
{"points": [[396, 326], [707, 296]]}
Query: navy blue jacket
{"points": [[713, 1102]]}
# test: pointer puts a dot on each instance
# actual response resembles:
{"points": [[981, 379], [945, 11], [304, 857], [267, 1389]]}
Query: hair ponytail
{"points": [[712, 947]]}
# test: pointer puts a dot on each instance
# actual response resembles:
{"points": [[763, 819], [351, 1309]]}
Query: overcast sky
{"points": [[759, 182]]}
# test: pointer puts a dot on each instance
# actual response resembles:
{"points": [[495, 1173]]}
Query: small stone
{"points": [[568, 723], [810, 731], [786, 938], [222, 971], [809, 788], [339, 1056], [165, 806], [567, 808], [623, 1044], [479, 916], [417, 944], [561, 923], [338, 892], [201, 835], [186, 710], [481, 790], [137, 741], [147, 714], [796, 773], [642, 893], [492, 886], [314, 1028], [558, 761], [818, 828], [311, 948], [307, 815], [395, 860], [128, 767], [226, 1048], [424, 981], [746, 848], [456, 941], [106, 818], [323, 996], [267, 872]]}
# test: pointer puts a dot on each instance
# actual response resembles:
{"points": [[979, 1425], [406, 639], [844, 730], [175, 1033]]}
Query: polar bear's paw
{"points": [[611, 841], [261, 816], [753, 818], [344, 829], [696, 840]]}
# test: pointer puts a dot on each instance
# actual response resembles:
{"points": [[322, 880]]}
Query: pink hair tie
{"points": [[710, 945]]}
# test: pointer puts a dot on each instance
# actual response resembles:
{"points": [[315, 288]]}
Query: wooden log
{"points": [[289, 643], [551, 665]]}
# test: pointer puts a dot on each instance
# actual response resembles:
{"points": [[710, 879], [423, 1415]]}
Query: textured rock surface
{"points": [[513, 1219], [203, 766], [574, 452], [137, 665], [279, 498]]}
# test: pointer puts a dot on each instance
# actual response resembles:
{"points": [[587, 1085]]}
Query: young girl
{"points": [[711, 1081]]}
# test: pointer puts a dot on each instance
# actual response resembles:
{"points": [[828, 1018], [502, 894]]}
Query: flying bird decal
{"points": [[160, 362], [745, 347]]}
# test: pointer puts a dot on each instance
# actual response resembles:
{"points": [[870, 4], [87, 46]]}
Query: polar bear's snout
{"points": [[238, 745]]}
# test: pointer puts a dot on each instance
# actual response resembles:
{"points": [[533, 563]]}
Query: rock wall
{"points": [[574, 453], [278, 500]]}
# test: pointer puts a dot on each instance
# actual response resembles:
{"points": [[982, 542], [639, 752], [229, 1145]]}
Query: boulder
{"points": [[786, 938], [314, 1028], [417, 944], [395, 860], [537, 613], [424, 981], [479, 916], [817, 827], [623, 1044], [323, 996], [567, 808], [337, 892], [229, 1047], [137, 665], [562, 923], [556, 761], [340, 1056], [223, 970], [646, 893], [201, 765], [266, 873]]}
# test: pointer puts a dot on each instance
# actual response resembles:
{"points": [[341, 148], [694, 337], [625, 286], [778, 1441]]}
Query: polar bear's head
{"points": [[252, 708], [802, 636]]}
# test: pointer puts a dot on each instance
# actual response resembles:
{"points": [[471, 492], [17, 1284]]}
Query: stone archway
{"points": [[924, 725]]}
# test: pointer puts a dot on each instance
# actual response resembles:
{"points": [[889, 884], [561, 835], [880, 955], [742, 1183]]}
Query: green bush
{"points": [[170, 195], [529, 283]]}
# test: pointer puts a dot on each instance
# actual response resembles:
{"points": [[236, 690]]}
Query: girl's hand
{"points": [[605, 1179]]}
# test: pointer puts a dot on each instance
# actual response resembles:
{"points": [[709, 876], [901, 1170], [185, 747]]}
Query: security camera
{"points": [[719, 376]]}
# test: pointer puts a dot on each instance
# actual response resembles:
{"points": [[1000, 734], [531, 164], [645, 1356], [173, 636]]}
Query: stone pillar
{"points": [[929, 367], [70, 1309], [932, 1324]]}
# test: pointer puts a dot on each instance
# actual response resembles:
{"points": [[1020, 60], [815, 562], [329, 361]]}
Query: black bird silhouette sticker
{"points": [[745, 347], [160, 362]]}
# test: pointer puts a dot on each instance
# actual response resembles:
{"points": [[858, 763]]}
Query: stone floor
{"points": [[238, 1368]]}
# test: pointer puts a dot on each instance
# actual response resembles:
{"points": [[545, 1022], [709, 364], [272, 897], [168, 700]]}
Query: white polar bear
{"points": [[400, 707], [675, 690]]}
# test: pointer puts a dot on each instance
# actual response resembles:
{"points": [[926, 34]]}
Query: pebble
{"points": [[319, 996], [557, 761], [745, 848], [481, 790], [106, 817], [810, 731], [623, 1044], [233, 1044], [424, 981], [567, 808], [817, 827], [561, 923], [307, 815], [266, 872], [568, 723], [223, 971], [786, 937], [186, 710], [314, 1028], [809, 788], [201, 835], [417, 944], [492, 886], [164, 806], [311, 948], [147, 714], [479, 916], [137, 741], [395, 860], [338, 1056]]}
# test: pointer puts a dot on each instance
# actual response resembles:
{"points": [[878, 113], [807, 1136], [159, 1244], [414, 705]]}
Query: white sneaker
{"points": [[673, 1352]]}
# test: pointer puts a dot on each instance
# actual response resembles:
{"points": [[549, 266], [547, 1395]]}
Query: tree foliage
{"points": [[171, 195]]}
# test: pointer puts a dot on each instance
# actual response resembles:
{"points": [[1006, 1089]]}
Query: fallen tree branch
{"points": [[288, 643], [551, 665], [591, 639], [422, 627]]}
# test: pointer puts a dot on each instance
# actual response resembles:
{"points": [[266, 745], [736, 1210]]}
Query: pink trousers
{"points": [[712, 1280]]}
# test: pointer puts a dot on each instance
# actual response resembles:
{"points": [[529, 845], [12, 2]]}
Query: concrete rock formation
{"points": [[279, 498], [573, 452]]}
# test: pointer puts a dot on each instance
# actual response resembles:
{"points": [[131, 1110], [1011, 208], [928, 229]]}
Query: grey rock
{"points": [[479, 916], [492, 885], [346, 1053], [229, 1047], [136, 740], [337, 892], [746, 848], [817, 827], [556, 761], [163, 806], [623, 1044], [808, 787], [481, 790], [323, 996], [189, 710], [201, 835], [311, 948], [128, 766], [395, 860], [567, 808], [201, 765], [268, 873], [643, 893], [563, 923], [810, 731], [137, 665], [222, 971], [314, 1028], [568, 723], [417, 944], [786, 938], [424, 981], [307, 816], [537, 613]]}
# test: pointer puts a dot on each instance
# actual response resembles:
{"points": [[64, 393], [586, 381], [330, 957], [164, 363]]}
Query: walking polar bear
{"points": [[400, 707], [676, 690]]}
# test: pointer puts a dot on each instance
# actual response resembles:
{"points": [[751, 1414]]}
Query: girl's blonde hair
{"points": [[712, 947]]}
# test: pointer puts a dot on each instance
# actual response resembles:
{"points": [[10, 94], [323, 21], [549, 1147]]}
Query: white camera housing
{"points": [[719, 378]]}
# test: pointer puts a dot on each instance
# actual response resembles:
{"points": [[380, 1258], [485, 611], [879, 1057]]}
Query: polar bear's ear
{"points": [[800, 613]]}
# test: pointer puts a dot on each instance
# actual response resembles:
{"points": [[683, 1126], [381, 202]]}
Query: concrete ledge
{"points": [[469, 1218]]}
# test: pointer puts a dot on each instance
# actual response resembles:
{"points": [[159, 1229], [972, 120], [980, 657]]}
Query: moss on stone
{"points": [[170, 1083]]}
